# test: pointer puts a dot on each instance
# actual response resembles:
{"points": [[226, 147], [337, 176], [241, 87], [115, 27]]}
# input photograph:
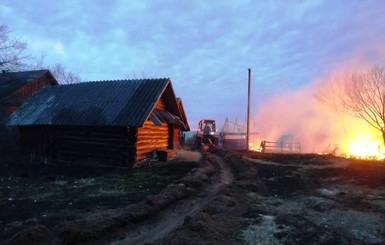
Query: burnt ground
{"points": [[228, 198]]}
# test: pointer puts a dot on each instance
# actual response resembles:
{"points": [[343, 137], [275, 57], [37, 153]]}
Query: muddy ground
{"points": [[229, 198]]}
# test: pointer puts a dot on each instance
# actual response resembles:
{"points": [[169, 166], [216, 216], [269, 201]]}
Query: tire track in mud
{"points": [[169, 219]]}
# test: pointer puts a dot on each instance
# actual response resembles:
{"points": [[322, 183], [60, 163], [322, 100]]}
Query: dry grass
{"points": [[188, 156]]}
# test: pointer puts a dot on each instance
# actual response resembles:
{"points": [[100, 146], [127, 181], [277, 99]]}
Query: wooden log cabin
{"points": [[114, 122], [17, 87]]}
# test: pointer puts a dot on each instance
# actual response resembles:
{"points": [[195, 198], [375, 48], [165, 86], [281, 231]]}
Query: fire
{"points": [[366, 146], [364, 143], [297, 116], [251, 147]]}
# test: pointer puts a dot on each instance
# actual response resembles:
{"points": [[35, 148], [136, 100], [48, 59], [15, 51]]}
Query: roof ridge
{"points": [[11, 72], [120, 80], [117, 80], [127, 79]]}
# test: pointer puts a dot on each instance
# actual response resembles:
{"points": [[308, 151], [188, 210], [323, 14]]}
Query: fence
{"points": [[281, 147]]}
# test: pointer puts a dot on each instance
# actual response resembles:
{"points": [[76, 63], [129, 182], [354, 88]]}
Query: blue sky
{"points": [[204, 47]]}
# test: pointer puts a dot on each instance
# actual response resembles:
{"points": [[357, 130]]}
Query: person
{"points": [[263, 146], [207, 129]]}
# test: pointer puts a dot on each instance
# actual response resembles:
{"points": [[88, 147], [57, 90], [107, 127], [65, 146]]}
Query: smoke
{"points": [[299, 117], [319, 125]]}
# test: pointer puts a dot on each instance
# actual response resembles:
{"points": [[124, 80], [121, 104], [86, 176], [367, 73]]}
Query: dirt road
{"points": [[174, 216]]}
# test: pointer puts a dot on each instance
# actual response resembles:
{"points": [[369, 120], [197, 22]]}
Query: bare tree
{"points": [[63, 76], [331, 92], [13, 57], [12, 52], [359, 94], [365, 97]]}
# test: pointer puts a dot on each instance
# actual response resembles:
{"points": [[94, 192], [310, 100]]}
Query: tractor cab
{"points": [[206, 127], [207, 135]]}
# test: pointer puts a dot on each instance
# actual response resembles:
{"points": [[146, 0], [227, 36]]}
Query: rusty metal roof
{"points": [[12, 81], [103, 103]]}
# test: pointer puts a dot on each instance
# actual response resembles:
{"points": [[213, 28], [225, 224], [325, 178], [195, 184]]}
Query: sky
{"points": [[204, 47]]}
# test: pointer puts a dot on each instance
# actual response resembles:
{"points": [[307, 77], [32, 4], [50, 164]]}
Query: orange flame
{"points": [[365, 146]]}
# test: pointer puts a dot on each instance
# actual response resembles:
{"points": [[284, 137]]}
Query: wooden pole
{"points": [[248, 113]]}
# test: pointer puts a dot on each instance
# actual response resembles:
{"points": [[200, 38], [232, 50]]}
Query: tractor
{"points": [[207, 136]]}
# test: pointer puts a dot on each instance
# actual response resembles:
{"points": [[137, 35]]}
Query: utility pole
{"points": [[248, 113]]}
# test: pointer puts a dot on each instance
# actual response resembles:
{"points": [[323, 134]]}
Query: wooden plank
{"points": [[150, 148], [88, 154], [110, 151], [91, 141], [112, 134], [152, 130], [150, 140], [160, 104]]}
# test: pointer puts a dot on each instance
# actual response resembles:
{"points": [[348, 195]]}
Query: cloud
{"points": [[58, 48], [205, 48], [5, 9], [47, 47]]}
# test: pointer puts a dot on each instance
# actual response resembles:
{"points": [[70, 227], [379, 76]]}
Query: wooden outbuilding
{"points": [[115, 122], [17, 87]]}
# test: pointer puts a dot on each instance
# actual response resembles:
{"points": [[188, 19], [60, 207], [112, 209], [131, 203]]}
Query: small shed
{"points": [[17, 87], [234, 135], [116, 122]]}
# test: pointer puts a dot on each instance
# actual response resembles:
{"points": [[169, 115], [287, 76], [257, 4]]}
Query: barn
{"points": [[17, 87], [116, 122]]}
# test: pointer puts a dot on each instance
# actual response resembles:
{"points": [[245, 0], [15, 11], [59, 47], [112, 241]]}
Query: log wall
{"points": [[151, 137], [176, 138], [109, 145], [37, 143], [103, 144]]}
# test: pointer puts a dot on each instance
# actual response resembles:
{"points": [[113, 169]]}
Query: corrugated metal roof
{"points": [[12, 81], [104, 103]]}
